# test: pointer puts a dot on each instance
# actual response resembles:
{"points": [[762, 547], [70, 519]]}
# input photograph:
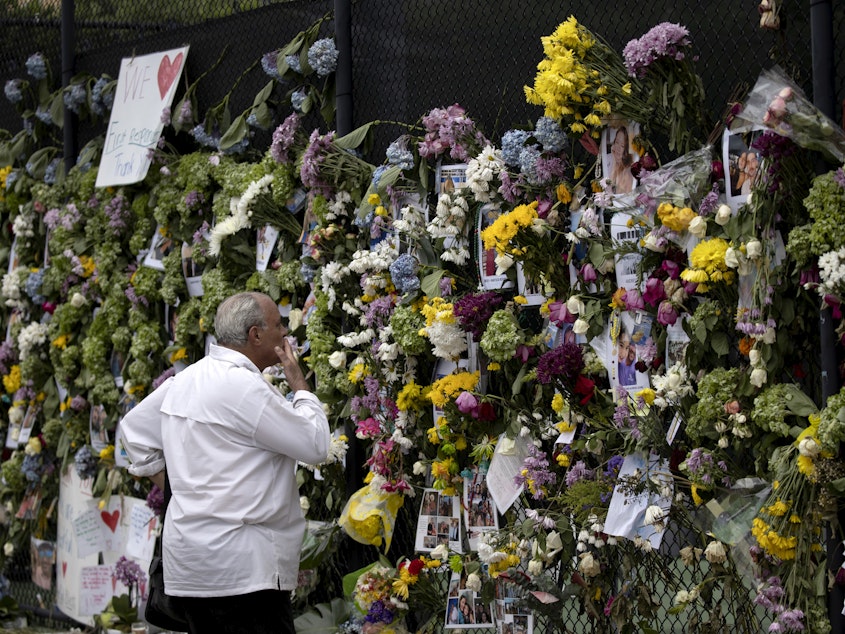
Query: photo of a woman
{"points": [[621, 159]]}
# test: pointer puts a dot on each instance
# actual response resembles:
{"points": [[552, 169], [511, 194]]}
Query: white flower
{"points": [[652, 243], [754, 249], [698, 227], [420, 468], [337, 359], [654, 515], [8, 549], [723, 442], [294, 319], [809, 447], [304, 504], [723, 215], [588, 566], [581, 326], [503, 263], [732, 258], [575, 305], [473, 582], [441, 552], [754, 356], [535, 568], [715, 552], [682, 597], [758, 377]]}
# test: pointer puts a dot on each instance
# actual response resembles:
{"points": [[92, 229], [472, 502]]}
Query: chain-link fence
{"points": [[407, 57]]}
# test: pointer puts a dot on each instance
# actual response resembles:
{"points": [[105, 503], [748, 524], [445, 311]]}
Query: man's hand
{"points": [[290, 364]]}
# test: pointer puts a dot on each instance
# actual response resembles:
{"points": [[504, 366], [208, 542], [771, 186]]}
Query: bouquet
{"points": [[777, 103]]}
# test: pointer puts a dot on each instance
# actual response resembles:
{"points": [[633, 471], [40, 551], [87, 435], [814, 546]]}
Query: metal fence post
{"points": [[68, 68]]}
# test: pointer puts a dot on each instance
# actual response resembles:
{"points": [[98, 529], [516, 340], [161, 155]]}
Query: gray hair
{"points": [[235, 316]]}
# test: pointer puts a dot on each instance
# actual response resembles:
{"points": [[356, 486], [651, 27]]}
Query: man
{"points": [[233, 529]]}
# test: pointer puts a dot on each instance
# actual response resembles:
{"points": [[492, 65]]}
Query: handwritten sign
{"points": [[145, 87], [143, 526], [97, 586]]}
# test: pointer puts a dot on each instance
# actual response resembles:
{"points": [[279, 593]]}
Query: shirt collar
{"points": [[222, 353]]}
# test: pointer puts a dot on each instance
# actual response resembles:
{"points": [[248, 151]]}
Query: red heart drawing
{"points": [[64, 568], [111, 518], [168, 72]]}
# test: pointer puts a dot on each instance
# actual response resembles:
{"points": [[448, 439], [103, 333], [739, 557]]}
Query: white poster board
{"points": [[86, 533], [145, 87]]}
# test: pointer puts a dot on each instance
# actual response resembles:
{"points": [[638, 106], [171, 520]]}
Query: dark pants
{"points": [[263, 612]]}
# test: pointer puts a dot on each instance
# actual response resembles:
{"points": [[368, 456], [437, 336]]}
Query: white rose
{"points": [[581, 326], [442, 551], [574, 305], [8, 549], [653, 514], [503, 263], [754, 356], [588, 566], [723, 215], [535, 568], [651, 243], [420, 468], [698, 227], [758, 377], [731, 258], [295, 319], [770, 336], [304, 504], [715, 552], [337, 359], [78, 300], [754, 249], [473, 582]]}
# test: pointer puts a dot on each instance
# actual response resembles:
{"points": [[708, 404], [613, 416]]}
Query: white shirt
{"points": [[234, 524]]}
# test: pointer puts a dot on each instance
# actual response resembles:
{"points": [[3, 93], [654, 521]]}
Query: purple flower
{"points": [[666, 40], [655, 292], [588, 273], [566, 361], [155, 500], [578, 471], [473, 311], [117, 212], [535, 472], [283, 139], [128, 572], [633, 300]]}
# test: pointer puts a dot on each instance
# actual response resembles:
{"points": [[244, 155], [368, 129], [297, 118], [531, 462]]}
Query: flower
{"points": [[715, 552]]}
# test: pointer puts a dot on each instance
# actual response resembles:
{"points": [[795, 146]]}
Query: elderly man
{"points": [[230, 442]]}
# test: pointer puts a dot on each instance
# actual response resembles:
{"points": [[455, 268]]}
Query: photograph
{"points": [[618, 155], [99, 433], [160, 246], [192, 271], [486, 258], [742, 166], [266, 238]]}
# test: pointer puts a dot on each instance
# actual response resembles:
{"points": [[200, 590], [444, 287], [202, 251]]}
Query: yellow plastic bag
{"points": [[370, 516]]}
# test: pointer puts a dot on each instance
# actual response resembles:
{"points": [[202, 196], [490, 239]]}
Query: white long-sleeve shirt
{"points": [[231, 442]]}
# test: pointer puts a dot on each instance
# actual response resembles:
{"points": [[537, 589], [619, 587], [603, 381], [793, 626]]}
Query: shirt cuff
{"points": [[147, 468]]}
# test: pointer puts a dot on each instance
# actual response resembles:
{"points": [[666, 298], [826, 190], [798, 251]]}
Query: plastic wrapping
{"points": [[777, 103], [370, 516]]}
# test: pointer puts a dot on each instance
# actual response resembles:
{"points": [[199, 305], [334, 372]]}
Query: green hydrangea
{"points": [[501, 337], [714, 390], [832, 422], [406, 324]]}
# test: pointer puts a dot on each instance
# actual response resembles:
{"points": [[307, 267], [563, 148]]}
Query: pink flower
{"points": [[368, 428], [671, 268], [633, 300], [654, 291], [467, 403], [559, 315], [523, 352], [667, 314], [588, 273]]}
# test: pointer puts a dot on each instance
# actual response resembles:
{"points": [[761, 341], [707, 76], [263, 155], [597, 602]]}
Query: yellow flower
{"points": [[805, 465], [696, 498], [178, 355], [357, 373], [374, 199], [107, 453], [410, 397], [12, 381], [563, 459], [493, 366], [450, 386], [433, 436], [460, 443], [381, 211], [60, 342], [647, 394], [558, 403], [627, 88], [520, 299], [563, 194], [88, 265], [778, 509]]}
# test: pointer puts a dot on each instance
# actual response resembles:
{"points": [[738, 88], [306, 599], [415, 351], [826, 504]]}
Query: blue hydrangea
{"points": [[377, 174], [32, 286], [13, 90], [512, 144], [36, 66], [528, 162], [202, 137], [100, 102], [297, 99], [85, 463], [32, 467], [322, 56], [269, 63], [399, 154], [403, 272], [43, 115], [549, 133], [293, 62], [5, 586], [252, 121], [50, 172], [239, 147], [11, 178], [74, 97]]}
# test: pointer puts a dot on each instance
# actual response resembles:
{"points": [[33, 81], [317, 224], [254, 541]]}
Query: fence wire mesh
{"points": [[408, 57]]}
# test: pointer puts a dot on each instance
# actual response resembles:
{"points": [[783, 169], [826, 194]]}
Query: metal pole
{"points": [[68, 68], [343, 75], [821, 32]]}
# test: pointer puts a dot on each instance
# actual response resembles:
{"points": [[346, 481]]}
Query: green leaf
{"points": [[798, 402], [290, 48], [430, 284], [236, 132], [516, 388], [264, 94], [355, 138], [323, 618], [262, 115], [350, 579], [57, 109], [327, 111], [719, 343]]}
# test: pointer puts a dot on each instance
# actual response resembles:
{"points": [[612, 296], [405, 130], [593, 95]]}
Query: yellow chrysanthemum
{"points": [[505, 228], [647, 394], [558, 403], [450, 386], [358, 372], [178, 355], [12, 381]]}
